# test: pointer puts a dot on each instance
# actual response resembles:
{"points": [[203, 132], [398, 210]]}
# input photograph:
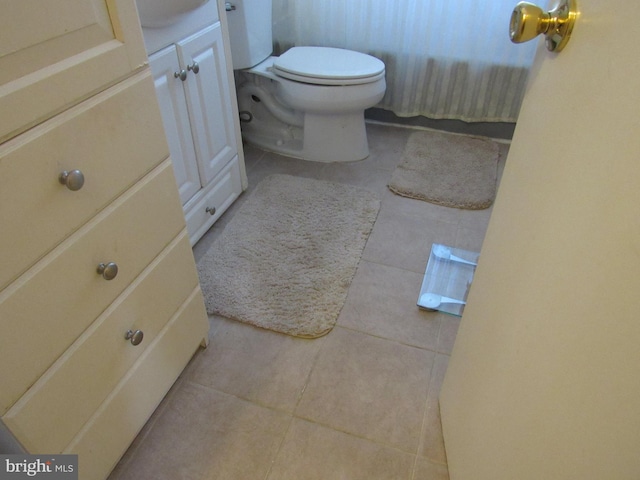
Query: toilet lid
{"points": [[328, 66]]}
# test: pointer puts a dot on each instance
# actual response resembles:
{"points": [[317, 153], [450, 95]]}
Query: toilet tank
{"points": [[249, 32]]}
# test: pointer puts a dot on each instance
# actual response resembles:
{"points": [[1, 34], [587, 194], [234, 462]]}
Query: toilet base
{"points": [[324, 138], [335, 138]]}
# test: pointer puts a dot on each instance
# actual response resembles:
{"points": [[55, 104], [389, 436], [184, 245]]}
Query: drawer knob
{"points": [[73, 180], [194, 67], [210, 210], [135, 337], [108, 270]]}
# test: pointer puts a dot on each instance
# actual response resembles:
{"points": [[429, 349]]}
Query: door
{"points": [[209, 99], [544, 379], [175, 117]]}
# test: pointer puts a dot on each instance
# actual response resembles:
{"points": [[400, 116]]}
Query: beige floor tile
{"points": [[369, 387], [272, 163], [404, 241], [475, 219], [367, 393], [204, 434], [426, 470], [386, 145], [470, 238], [314, 452], [268, 368], [360, 174], [448, 330], [382, 302], [432, 443], [251, 154], [393, 204]]}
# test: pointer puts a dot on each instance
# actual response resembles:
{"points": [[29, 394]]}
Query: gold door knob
{"points": [[528, 21]]}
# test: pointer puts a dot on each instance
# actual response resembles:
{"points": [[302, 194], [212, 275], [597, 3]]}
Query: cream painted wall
{"points": [[544, 379]]}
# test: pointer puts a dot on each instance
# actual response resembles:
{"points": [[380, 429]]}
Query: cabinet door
{"points": [[175, 117], [209, 100], [55, 53]]}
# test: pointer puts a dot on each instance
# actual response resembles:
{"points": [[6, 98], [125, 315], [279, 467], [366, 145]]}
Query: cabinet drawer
{"points": [[54, 410], [105, 438], [219, 194], [46, 309], [114, 138]]}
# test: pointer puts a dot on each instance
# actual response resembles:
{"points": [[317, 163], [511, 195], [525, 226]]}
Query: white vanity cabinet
{"points": [[199, 112], [100, 305]]}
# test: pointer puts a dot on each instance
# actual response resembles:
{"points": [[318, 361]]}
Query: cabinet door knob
{"points": [[108, 270], [194, 67], [135, 337], [210, 210], [181, 74], [73, 180]]}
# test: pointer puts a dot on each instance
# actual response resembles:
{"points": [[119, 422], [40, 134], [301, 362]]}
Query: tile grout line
{"points": [[279, 449], [404, 344], [425, 411]]}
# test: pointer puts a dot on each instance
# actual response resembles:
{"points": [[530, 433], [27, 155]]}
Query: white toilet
{"points": [[307, 103]]}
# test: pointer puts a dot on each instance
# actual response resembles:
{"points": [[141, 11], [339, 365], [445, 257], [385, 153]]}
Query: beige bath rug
{"points": [[286, 259], [447, 169]]}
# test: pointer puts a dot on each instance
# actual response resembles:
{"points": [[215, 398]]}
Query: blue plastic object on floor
{"points": [[447, 279]]}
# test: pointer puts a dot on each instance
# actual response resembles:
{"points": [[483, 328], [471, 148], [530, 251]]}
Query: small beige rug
{"points": [[447, 169], [286, 259]]}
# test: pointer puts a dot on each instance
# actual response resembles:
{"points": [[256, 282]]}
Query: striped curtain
{"points": [[445, 58]]}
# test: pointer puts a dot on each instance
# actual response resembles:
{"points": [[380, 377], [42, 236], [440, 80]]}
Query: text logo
{"points": [[49, 467]]}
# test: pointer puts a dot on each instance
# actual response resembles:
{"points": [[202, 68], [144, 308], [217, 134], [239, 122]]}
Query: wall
{"points": [[283, 15]]}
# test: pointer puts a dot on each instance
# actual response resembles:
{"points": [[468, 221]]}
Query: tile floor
{"points": [[360, 403]]}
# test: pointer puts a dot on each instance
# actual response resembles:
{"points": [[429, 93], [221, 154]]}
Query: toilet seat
{"points": [[328, 66]]}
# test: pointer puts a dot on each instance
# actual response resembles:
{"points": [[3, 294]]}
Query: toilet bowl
{"points": [[318, 118], [307, 103]]}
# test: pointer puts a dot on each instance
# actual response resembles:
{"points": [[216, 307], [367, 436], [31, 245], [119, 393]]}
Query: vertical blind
{"points": [[444, 58]]}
